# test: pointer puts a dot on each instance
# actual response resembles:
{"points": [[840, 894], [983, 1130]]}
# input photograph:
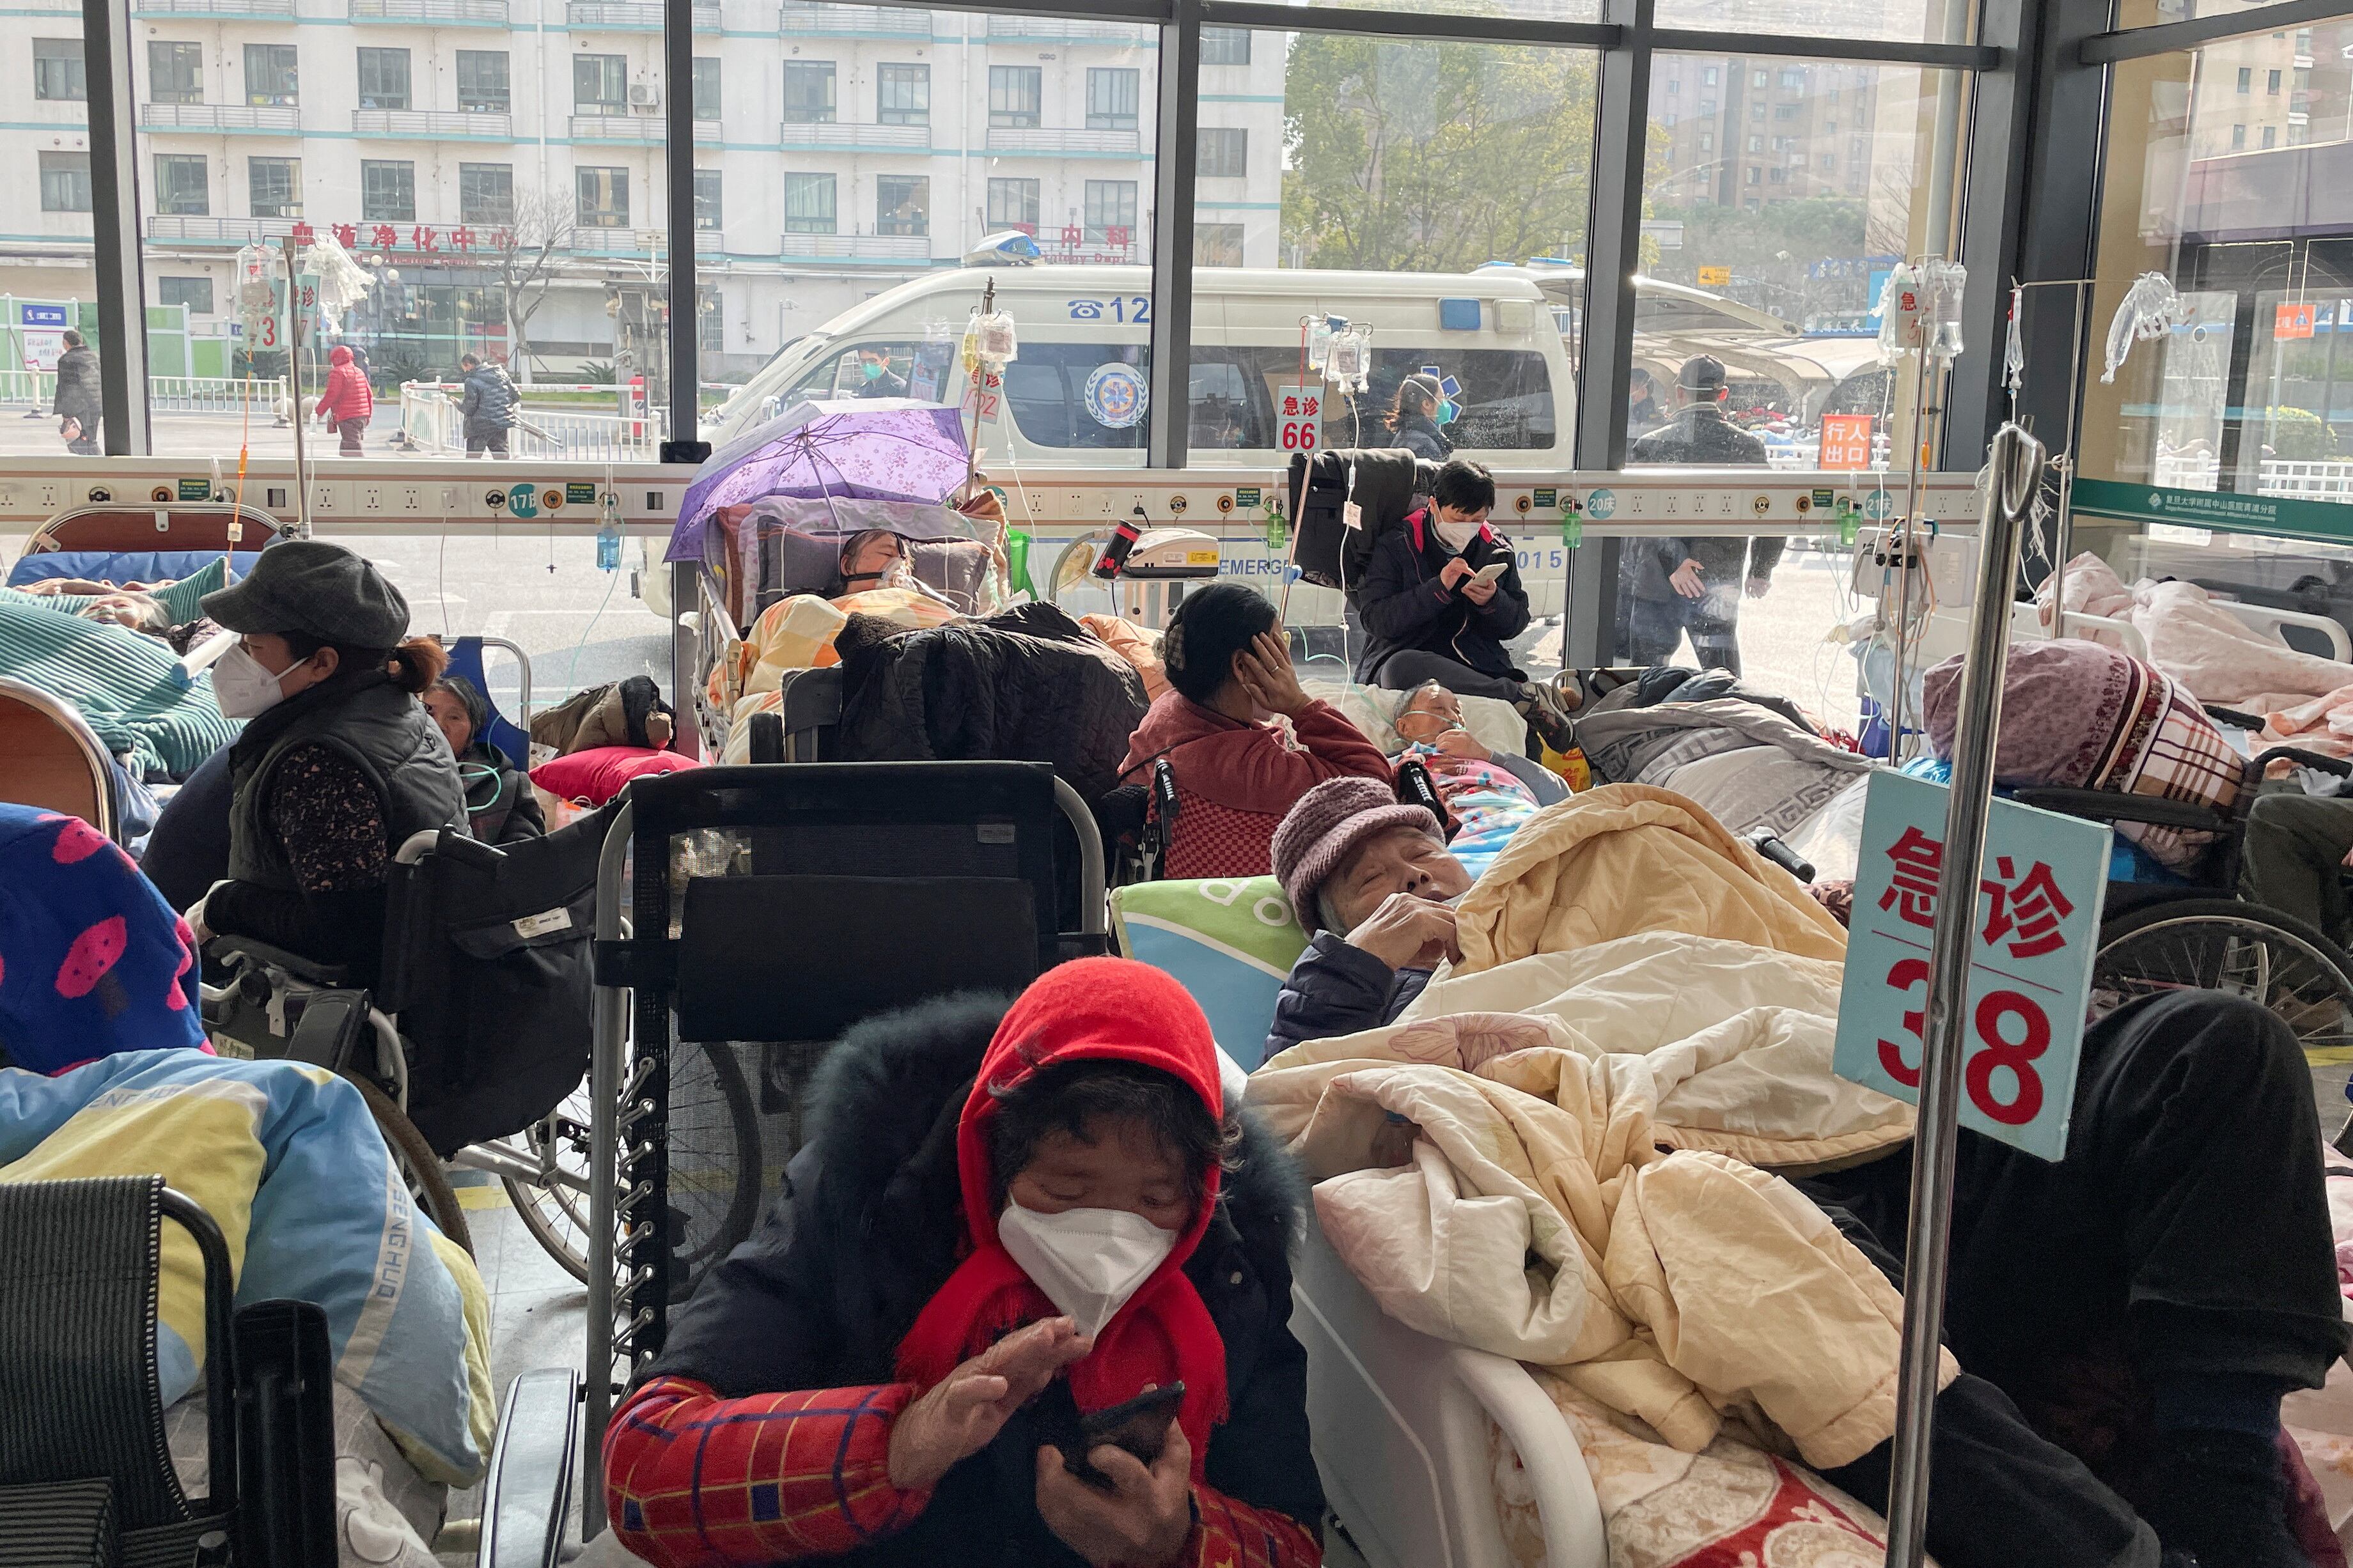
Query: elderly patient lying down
{"points": [[1635, 1032]]}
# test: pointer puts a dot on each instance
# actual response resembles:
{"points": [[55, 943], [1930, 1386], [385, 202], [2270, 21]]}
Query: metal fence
{"points": [[2300, 478], [430, 421], [166, 394]]}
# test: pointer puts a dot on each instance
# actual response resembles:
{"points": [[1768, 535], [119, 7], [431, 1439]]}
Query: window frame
{"points": [[368, 55], [815, 181], [384, 185], [66, 53], [275, 71], [288, 206], [59, 163], [1123, 85], [471, 208], [915, 105], [1006, 85], [611, 180], [802, 113], [475, 88]]}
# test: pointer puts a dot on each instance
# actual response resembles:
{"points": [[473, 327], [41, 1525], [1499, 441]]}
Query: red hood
{"points": [[339, 356]]}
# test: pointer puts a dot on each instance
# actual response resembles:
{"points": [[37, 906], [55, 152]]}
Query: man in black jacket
{"points": [[488, 406], [1695, 585], [79, 398]]}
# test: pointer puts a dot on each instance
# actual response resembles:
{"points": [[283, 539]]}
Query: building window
{"points": [[1756, 144], [1110, 98], [2271, 83], [706, 200], [1708, 77], [2246, 79], [270, 76], [1707, 141], [388, 190], [1707, 106], [57, 70], [903, 95], [65, 182], [1751, 176], [275, 186], [1756, 111], [808, 94], [486, 193], [1793, 81], [1674, 86], [193, 294], [600, 84], [1669, 119], [808, 204], [1013, 203], [603, 197], [1830, 161], [1014, 94], [1756, 80], [383, 78], [711, 322], [1780, 176], [900, 204], [706, 88], [175, 72], [1778, 144], [1222, 155], [180, 189], [1225, 45], [2238, 137], [483, 82], [2271, 135], [1111, 212], [1217, 245]]}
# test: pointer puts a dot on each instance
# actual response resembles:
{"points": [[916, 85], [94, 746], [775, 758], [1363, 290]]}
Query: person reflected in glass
{"points": [[1694, 584], [875, 376]]}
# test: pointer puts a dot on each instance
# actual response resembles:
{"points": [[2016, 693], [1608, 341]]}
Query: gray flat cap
{"points": [[318, 589]]}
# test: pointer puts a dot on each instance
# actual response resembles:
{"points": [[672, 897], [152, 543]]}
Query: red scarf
{"points": [[1095, 1009]]}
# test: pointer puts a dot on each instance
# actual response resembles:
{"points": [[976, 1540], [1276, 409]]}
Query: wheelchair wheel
{"points": [[2242, 949], [714, 1165], [419, 1167]]}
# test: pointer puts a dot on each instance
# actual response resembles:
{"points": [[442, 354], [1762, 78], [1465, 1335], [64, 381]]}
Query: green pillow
{"points": [[130, 688], [181, 600], [1229, 943]]}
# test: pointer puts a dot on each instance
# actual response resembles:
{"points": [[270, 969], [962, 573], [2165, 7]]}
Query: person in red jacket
{"points": [[347, 403], [1004, 1217], [1229, 674]]}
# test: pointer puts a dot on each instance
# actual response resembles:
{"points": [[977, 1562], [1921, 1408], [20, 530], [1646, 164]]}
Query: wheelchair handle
{"points": [[465, 850], [2337, 766]]}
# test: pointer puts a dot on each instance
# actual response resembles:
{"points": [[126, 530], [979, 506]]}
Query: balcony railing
{"points": [[219, 230], [820, 16], [220, 117], [839, 134], [632, 16], [645, 128], [431, 122], [646, 242], [213, 7], [1063, 139], [465, 13], [859, 246], [1048, 28]]}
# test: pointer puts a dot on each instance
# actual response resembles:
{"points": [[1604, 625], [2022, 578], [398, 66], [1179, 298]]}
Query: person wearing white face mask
{"points": [[1432, 616], [1004, 1218], [338, 764]]}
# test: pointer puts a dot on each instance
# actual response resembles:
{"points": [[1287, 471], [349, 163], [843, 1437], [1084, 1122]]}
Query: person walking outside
{"points": [[1695, 585], [489, 407], [347, 401], [79, 402]]}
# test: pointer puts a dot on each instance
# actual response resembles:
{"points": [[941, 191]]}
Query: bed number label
{"points": [[2033, 936]]}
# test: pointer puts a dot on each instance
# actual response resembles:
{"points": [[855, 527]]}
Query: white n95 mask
{"points": [[243, 686], [1088, 1261], [1456, 536]]}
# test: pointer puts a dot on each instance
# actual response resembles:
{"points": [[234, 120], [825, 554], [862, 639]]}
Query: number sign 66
{"points": [[1999, 1015]]}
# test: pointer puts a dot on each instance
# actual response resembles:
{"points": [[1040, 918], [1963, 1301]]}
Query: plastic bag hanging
{"points": [[342, 281], [2013, 349], [1902, 307], [256, 289], [1946, 282], [2151, 307]]}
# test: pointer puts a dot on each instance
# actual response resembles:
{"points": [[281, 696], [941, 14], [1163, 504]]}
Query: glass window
{"points": [[603, 197], [388, 190], [180, 188], [1708, 76], [383, 78], [193, 294], [2246, 79], [1217, 245], [1015, 93], [1013, 203], [57, 70], [1225, 45], [809, 92], [65, 182], [2271, 83], [1112, 98], [900, 204], [706, 87], [270, 76], [1224, 153], [808, 204], [483, 82], [1111, 213], [1757, 82], [706, 200], [486, 194], [600, 84], [275, 186], [175, 72], [1924, 22], [2238, 137], [2270, 136], [903, 95]]}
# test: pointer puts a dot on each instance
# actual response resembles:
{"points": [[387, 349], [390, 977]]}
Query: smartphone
{"points": [[1140, 1425], [1491, 572]]}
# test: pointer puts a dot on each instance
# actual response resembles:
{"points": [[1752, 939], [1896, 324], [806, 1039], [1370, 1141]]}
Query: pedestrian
{"points": [[80, 403], [347, 402], [876, 378], [488, 406], [1412, 418], [1694, 584]]}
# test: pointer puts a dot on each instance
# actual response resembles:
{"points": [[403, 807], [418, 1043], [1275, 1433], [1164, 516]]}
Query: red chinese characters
{"points": [[1911, 890], [2027, 910]]}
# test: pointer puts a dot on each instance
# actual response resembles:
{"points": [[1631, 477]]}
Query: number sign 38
{"points": [[2033, 932]]}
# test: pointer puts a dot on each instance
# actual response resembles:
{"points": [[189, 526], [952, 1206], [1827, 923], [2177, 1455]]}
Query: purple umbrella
{"points": [[884, 448]]}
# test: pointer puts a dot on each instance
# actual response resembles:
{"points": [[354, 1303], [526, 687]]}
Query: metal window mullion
{"points": [[685, 259], [1178, 132], [1421, 27], [1798, 46], [114, 226], [1991, 217], [2170, 37]]}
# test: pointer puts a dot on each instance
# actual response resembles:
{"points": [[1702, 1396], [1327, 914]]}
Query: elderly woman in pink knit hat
{"points": [[1371, 877]]}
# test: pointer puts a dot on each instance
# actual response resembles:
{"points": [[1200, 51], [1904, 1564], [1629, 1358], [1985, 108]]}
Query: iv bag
{"points": [[1350, 359], [1903, 306], [1947, 282], [2013, 351], [1319, 343], [2151, 309], [999, 346]]}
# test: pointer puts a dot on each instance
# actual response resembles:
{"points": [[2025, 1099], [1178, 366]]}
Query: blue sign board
{"points": [[2034, 931], [42, 316]]}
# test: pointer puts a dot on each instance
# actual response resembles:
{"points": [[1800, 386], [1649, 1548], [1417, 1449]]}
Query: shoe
{"points": [[1546, 715], [2220, 1497]]}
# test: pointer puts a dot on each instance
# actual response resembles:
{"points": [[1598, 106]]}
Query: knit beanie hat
{"points": [[1325, 826]]}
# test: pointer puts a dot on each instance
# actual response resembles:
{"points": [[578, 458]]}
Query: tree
{"points": [[1772, 252], [1434, 157], [526, 254]]}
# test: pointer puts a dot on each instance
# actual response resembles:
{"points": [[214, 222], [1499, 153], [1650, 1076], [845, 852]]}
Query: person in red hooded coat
{"points": [[348, 402], [1002, 1219]]}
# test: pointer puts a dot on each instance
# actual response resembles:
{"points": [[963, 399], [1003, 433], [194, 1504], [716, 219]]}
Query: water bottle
{"points": [[608, 543], [1278, 532], [1572, 531]]}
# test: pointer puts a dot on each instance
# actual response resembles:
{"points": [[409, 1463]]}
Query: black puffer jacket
{"points": [[489, 400], [867, 1231], [1403, 604], [80, 395]]}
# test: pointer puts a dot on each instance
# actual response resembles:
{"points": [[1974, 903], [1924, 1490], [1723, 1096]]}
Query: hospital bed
{"points": [[55, 760], [115, 543]]}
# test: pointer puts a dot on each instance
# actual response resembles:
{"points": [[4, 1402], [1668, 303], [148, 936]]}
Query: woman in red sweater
{"points": [[347, 401], [1229, 672]]}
